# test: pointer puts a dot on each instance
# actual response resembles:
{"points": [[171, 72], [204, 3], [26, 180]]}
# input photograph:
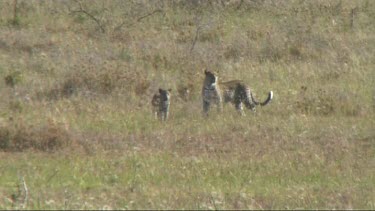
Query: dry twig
{"points": [[138, 19], [82, 10], [198, 30]]}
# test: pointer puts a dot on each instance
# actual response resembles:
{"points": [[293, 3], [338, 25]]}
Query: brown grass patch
{"points": [[326, 101], [98, 80], [18, 136]]}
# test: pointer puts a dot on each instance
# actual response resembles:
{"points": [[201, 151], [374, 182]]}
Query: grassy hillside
{"points": [[77, 132]]}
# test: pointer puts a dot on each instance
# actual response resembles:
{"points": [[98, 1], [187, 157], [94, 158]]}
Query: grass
{"points": [[76, 121]]}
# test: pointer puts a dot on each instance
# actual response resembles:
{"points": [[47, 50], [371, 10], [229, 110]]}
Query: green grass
{"points": [[166, 180], [76, 121]]}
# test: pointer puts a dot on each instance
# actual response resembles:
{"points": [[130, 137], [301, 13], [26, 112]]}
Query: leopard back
{"points": [[235, 92], [238, 93]]}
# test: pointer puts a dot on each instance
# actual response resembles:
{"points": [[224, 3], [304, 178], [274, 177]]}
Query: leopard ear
{"points": [[160, 90], [205, 71], [169, 90]]}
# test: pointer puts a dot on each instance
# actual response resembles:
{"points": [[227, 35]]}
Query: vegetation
{"points": [[77, 131]]}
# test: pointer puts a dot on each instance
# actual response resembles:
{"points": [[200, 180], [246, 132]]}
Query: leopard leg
{"points": [[239, 108], [206, 107], [155, 114], [166, 114]]}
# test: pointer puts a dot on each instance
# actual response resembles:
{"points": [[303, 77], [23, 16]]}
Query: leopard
{"points": [[236, 92], [160, 104]]}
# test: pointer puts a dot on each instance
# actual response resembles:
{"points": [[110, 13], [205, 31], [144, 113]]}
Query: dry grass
{"points": [[18, 136], [76, 121]]}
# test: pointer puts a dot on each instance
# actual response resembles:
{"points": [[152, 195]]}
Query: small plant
{"points": [[15, 105], [295, 51], [232, 52], [80, 18], [5, 138], [13, 78], [125, 55], [16, 21], [142, 87]]}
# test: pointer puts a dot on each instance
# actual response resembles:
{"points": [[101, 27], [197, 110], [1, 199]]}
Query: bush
{"points": [[13, 78], [101, 80], [328, 102], [17, 136]]}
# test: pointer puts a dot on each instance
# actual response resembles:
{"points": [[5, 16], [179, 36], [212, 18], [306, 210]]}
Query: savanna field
{"points": [[77, 78]]}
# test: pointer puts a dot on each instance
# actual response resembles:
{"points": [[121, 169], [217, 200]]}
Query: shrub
{"points": [[13, 78], [323, 101], [18, 136]]}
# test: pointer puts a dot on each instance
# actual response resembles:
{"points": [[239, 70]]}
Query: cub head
{"points": [[165, 94], [211, 78], [184, 91]]}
